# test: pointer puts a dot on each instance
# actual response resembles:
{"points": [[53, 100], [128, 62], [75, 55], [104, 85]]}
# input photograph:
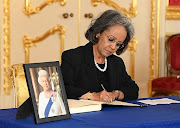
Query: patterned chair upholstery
{"points": [[170, 85]]}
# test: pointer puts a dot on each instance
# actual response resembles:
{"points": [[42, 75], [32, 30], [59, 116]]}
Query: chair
{"points": [[19, 82], [170, 85]]}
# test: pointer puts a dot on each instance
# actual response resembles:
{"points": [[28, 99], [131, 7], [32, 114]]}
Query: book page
{"points": [[159, 101], [80, 106], [120, 103]]}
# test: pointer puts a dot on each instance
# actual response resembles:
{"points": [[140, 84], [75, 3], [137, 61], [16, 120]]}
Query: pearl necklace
{"points": [[97, 66]]}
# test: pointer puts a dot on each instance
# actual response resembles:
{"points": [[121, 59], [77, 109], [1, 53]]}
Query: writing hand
{"points": [[107, 96]]}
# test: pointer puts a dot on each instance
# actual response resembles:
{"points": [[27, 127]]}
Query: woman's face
{"points": [[110, 40], [45, 83]]}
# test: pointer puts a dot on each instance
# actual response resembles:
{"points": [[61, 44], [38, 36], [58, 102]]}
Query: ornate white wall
{"points": [[75, 27]]}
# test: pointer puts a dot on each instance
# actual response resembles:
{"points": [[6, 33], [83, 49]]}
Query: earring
{"points": [[97, 36]]}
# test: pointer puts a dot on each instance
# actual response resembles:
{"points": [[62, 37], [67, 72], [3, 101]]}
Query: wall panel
{"points": [[48, 49]]}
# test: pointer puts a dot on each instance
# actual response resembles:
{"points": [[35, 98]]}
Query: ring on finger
{"points": [[111, 100]]}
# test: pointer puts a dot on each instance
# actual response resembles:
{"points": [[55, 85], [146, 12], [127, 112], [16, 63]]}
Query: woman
{"points": [[50, 102], [92, 71]]}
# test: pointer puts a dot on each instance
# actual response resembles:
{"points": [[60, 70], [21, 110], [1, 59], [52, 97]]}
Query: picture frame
{"points": [[47, 91]]}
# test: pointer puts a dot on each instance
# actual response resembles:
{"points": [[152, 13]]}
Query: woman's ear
{"points": [[97, 35]]}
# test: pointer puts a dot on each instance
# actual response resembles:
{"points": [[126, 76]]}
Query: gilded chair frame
{"points": [[172, 12], [170, 70]]}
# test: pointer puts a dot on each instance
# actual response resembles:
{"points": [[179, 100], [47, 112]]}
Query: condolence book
{"points": [[80, 106]]}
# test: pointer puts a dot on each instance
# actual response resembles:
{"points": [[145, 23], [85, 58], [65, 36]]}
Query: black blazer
{"points": [[79, 73]]}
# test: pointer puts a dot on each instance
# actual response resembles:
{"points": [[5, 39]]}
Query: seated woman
{"points": [[50, 102], [93, 71]]}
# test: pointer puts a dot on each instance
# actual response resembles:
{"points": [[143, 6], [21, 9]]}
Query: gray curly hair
{"points": [[104, 21]]}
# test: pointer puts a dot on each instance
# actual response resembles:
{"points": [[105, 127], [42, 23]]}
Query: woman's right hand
{"points": [[102, 96], [107, 96]]}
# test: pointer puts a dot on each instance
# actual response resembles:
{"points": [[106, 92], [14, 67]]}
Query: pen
{"points": [[103, 87], [143, 105], [107, 94]]}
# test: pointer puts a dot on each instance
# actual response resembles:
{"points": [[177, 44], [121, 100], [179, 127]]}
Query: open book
{"points": [[80, 106]]}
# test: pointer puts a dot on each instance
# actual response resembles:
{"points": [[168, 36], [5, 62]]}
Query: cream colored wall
{"points": [[162, 55], [142, 33], [33, 26], [172, 26], [49, 49], [50, 16]]}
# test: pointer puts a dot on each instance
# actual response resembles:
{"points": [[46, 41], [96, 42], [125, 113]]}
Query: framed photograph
{"points": [[47, 91]]}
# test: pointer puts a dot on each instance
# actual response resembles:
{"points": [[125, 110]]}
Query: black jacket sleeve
{"points": [[130, 88], [69, 61]]}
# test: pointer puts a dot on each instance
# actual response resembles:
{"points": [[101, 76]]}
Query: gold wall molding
{"points": [[29, 10], [132, 10], [172, 12], [28, 43], [152, 26], [154, 39], [132, 46], [6, 46]]}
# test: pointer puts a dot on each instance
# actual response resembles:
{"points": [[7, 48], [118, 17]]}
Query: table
{"points": [[152, 116]]}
